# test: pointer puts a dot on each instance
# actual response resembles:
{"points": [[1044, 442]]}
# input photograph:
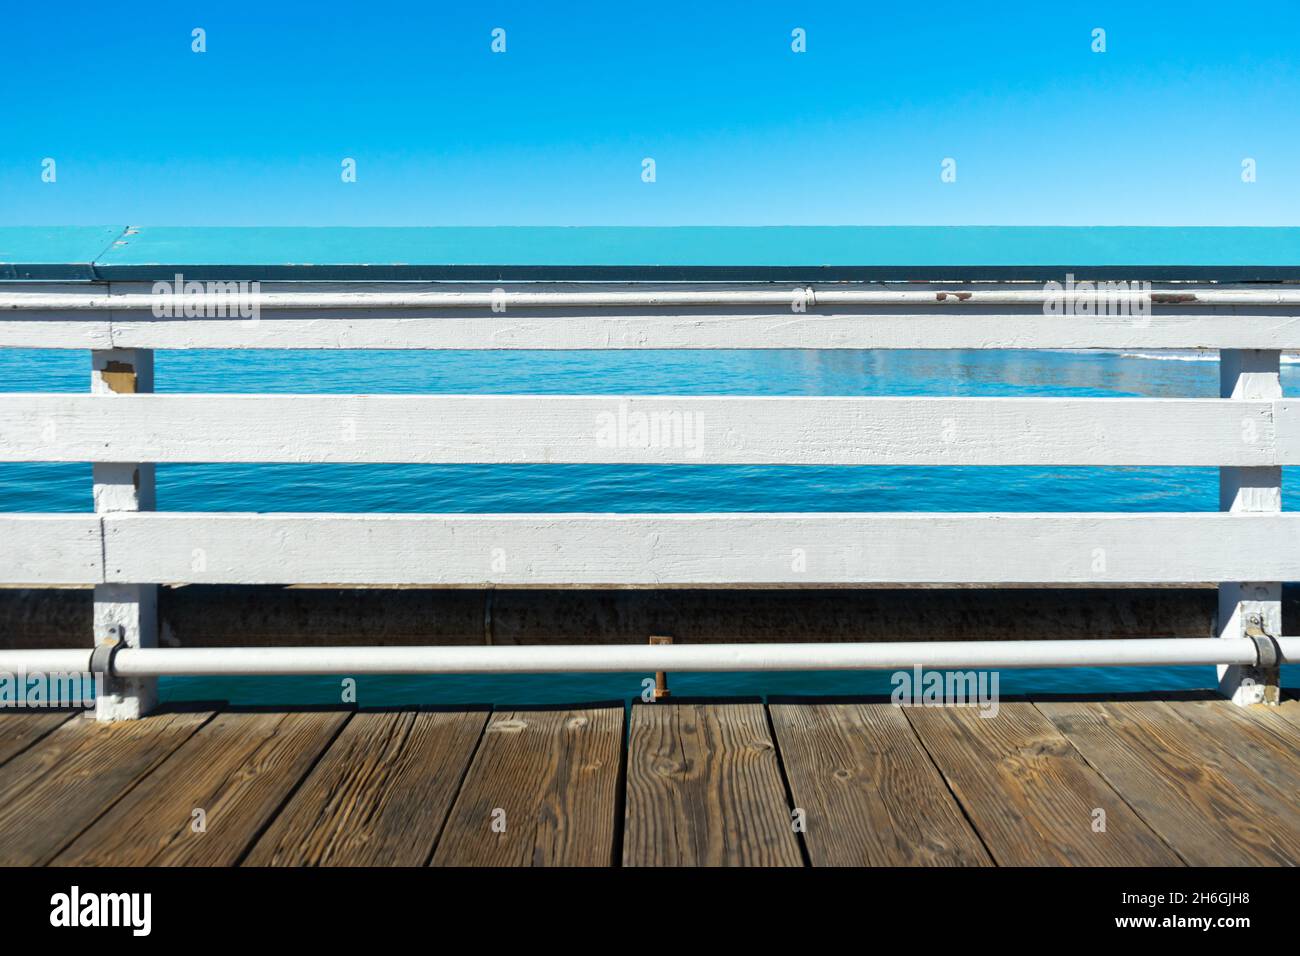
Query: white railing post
{"points": [[128, 612], [1250, 606]]}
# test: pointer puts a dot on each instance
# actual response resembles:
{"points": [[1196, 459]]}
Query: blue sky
{"points": [[742, 130]]}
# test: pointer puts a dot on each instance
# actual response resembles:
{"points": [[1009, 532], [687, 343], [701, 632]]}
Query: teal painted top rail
{"points": [[670, 253]]}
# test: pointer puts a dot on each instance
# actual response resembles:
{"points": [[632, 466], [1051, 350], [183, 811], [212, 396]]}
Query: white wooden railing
{"points": [[124, 549]]}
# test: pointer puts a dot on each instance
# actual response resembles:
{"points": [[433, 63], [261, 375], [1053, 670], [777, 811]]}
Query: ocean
{"points": [[677, 488]]}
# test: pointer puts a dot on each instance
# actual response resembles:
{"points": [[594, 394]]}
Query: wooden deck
{"points": [[1180, 781]]}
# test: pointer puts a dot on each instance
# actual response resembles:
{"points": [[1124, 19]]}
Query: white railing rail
{"points": [[641, 429], [319, 315], [143, 297], [124, 549], [537, 659], [790, 549]]}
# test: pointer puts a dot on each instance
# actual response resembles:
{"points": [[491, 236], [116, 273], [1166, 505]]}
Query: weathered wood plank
{"points": [[380, 794], [737, 549], [51, 792], [1204, 804], [1282, 719], [907, 319], [1030, 795], [55, 330], [20, 729], [1257, 736], [818, 329], [237, 770], [629, 429], [50, 549], [1289, 708], [541, 791], [704, 788], [869, 791]]}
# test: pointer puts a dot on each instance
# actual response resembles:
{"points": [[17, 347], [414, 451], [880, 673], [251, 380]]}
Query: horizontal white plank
{"points": [[813, 330], [703, 549], [55, 331], [191, 296], [816, 329], [640, 429], [623, 316], [50, 549]]}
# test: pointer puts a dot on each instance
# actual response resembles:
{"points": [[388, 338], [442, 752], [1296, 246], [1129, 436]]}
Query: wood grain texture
{"points": [[380, 794], [906, 319], [1209, 808], [737, 549], [1256, 735], [1198, 781], [1289, 708], [704, 788], [750, 329], [55, 330], [1029, 793], [542, 791], [631, 429], [53, 791], [238, 769], [20, 729], [869, 791], [51, 549]]}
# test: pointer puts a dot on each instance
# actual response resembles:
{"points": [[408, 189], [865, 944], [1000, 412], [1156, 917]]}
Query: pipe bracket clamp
{"points": [[1267, 652], [101, 658], [1270, 655]]}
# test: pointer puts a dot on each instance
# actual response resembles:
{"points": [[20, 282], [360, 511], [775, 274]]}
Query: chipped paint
{"points": [[119, 377]]}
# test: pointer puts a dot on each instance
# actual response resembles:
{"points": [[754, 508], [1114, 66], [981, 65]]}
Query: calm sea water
{"points": [[522, 488]]}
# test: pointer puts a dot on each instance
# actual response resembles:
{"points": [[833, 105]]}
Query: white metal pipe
{"points": [[247, 661], [44, 661], [176, 304]]}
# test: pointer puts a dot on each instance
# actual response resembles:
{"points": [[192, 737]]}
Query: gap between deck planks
{"points": [[61, 784], [380, 794], [869, 792], [852, 782], [1211, 807], [207, 801], [704, 787], [20, 729], [542, 791]]}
